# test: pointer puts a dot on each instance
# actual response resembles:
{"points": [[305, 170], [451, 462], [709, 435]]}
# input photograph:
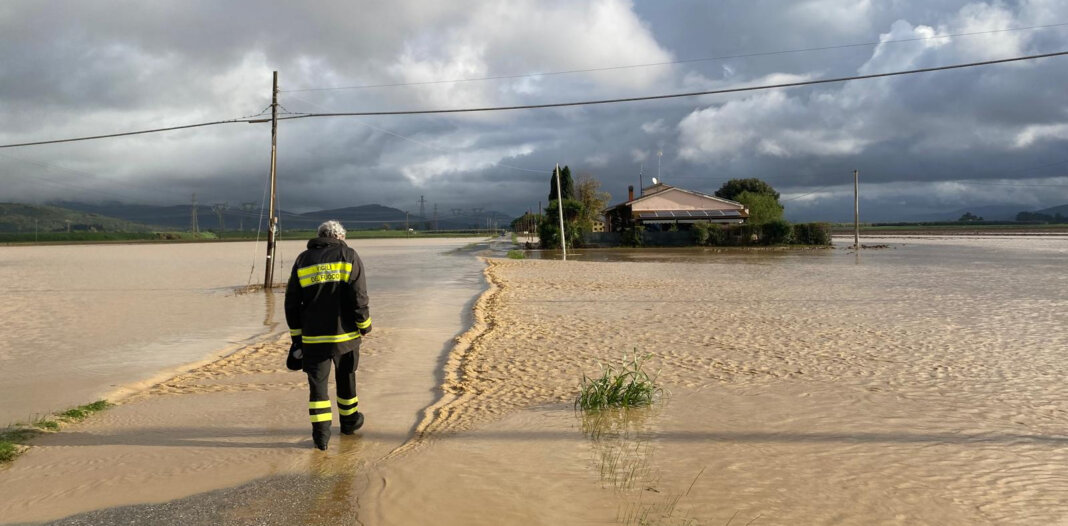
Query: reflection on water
{"points": [[84, 320], [625, 455], [622, 453]]}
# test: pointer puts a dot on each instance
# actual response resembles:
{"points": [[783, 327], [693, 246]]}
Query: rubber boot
{"points": [[321, 434], [351, 423]]}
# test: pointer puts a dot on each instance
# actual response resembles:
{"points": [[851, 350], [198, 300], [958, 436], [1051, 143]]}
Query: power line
{"points": [[679, 95], [123, 134], [416, 141], [562, 104], [674, 62]]}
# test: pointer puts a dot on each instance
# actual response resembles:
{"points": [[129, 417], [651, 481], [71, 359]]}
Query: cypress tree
{"points": [[567, 184]]}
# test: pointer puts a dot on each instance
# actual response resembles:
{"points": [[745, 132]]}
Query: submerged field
{"points": [[921, 383]]}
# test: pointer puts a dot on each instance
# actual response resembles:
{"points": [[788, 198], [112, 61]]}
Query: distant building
{"points": [[660, 206]]}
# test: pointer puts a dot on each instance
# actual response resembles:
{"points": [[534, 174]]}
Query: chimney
{"points": [[630, 193]]}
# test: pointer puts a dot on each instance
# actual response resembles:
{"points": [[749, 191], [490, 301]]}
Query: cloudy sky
{"points": [[995, 135]]}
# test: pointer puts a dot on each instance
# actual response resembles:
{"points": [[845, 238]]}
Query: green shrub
{"points": [[549, 227], [812, 233], [700, 233], [776, 232], [627, 386], [632, 237], [717, 236], [744, 234], [516, 254], [763, 208]]}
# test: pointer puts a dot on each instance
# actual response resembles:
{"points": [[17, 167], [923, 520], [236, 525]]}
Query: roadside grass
{"points": [[14, 439], [629, 385], [516, 254], [83, 411], [47, 425]]}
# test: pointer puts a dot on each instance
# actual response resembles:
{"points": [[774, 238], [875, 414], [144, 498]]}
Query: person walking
{"points": [[327, 312]]}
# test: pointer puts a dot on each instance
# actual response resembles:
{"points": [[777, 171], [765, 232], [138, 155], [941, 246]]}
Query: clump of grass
{"points": [[83, 411], [13, 439], [516, 254], [48, 425], [8, 450], [11, 442], [627, 386]]}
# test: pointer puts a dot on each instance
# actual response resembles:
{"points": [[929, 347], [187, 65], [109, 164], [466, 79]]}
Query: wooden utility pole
{"points": [[272, 220], [856, 209], [560, 207]]}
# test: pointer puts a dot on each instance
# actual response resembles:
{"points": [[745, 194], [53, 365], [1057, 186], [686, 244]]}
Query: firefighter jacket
{"points": [[326, 299]]}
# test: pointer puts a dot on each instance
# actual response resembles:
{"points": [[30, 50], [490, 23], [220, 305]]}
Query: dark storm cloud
{"points": [[83, 68]]}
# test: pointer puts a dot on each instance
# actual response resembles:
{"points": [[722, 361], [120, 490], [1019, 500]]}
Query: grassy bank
{"points": [[14, 439]]}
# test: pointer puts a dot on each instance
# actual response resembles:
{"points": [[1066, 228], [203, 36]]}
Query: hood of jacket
{"points": [[323, 242]]}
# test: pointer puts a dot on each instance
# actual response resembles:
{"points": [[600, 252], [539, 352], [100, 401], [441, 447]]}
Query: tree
{"points": [[592, 199], [968, 216], [525, 222], [549, 228], [733, 188], [763, 208], [567, 185]]}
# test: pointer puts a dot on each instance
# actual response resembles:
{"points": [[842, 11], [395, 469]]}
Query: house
{"points": [[661, 206]]}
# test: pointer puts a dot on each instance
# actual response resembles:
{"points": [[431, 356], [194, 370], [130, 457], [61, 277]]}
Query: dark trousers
{"points": [[318, 369]]}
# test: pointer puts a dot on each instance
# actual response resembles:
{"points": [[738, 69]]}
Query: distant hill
{"points": [[15, 217], [363, 217], [359, 217], [377, 216], [988, 213], [174, 217], [1053, 210]]}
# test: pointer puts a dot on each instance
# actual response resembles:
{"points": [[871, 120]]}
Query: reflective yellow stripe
{"points": [[331, 338], [325, 417], [294, 332], [319, 404], [324, 273], [347, 412], [324, 267], [348, 401], [364, 324]]}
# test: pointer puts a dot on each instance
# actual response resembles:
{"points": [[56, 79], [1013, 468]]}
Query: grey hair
{"points": [[332, 228]]}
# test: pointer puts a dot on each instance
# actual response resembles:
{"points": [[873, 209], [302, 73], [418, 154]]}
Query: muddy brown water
{"points": [[83, 322], [922, 383]]}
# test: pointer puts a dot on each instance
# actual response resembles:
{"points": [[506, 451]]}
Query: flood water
{"points": [[920, 383], [82, 321]]}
